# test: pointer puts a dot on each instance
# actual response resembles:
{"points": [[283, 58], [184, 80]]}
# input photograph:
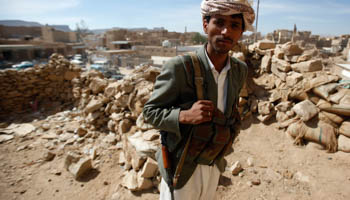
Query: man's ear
{"points": [[205, 26]]}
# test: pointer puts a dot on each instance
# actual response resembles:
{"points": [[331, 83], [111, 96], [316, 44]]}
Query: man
{"points": [[184, 118]]}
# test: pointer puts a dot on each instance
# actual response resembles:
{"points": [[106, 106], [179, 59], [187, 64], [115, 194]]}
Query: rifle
{"points": [[167, 161]]}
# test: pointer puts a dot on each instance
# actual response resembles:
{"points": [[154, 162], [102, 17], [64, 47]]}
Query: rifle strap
{"points": [[198, 81]]}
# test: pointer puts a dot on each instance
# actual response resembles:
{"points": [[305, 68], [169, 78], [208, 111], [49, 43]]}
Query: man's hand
{"points": [[201, 111]]}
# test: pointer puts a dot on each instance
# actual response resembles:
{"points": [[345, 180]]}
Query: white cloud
{"points": [[34, 7]]}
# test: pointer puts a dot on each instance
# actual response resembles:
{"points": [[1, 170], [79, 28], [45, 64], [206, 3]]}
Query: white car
{"points": [[77, 62]]}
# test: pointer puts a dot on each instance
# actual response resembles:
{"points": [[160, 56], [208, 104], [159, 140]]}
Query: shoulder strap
{"points": [[198, 79]]}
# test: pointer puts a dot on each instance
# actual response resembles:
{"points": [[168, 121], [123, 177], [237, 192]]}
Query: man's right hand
{"points": [[201, 111]]}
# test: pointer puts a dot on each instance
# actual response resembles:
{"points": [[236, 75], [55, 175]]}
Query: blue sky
{"points": [[324, 17]]}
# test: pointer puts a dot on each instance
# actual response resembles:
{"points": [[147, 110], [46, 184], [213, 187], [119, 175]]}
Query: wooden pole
{"points": [[256, 22]]}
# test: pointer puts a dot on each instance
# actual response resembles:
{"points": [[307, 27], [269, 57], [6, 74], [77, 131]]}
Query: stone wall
{"points": [[38, 87]]}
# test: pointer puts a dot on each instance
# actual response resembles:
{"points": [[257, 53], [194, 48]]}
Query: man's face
{"points": [[223, 32]]}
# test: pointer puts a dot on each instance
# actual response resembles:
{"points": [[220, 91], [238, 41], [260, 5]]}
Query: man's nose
{"points": [[225, 30]]}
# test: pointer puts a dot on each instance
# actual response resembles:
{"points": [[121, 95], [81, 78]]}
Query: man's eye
{"points": [[220, 23], [234, 25]]}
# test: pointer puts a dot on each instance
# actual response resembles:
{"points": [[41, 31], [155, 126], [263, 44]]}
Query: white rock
{"points": [[140, 123], [130, 180], [250, 162], [142, 146], [77, 166], [150, 135], [45, 126], [122, 159], [301, 177], [4, 138], [144, 183], [93, 105], [150, 168], [23, 130]]}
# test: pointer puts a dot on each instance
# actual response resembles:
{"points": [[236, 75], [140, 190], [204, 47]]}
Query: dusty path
{"points": [[278, 170]]}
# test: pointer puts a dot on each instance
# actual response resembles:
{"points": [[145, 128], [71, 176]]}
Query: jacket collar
{"points": [[210, 86]]}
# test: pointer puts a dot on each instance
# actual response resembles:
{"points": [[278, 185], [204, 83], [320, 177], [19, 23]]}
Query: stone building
{"points": [[148, 51], [50, 34], [19, 32]]}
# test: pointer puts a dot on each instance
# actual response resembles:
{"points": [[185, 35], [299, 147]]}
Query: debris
{"points": [[150, 168], [77, 165], [236, 168], [4, 138]]}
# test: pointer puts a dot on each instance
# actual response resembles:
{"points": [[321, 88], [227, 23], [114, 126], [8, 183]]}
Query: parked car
{"points": [[5, 64], [23, 65], [77, 57]]}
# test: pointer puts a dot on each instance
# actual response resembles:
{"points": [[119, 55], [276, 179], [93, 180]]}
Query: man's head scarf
{"points": [[230, 7]]}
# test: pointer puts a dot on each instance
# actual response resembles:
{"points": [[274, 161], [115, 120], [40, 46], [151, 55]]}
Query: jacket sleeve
{"points": [[162, 109]]}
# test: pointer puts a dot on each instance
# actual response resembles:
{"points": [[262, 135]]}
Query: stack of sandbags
{"points": [[297, 87], [344, 137]]}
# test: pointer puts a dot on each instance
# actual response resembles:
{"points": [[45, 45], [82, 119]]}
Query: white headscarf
{"points": [[230, 7]]}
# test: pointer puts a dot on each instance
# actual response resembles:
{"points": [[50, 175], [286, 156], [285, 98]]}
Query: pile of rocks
{"points": [[115, 107]]}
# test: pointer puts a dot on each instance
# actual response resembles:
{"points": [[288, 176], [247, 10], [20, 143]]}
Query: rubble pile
{"points": [[106, 115], [115, 107], [298, 90], [290, 85], [47, 85]]}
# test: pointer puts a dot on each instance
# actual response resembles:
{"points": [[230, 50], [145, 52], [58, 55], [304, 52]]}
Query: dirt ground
{"points": [[273, 168]]}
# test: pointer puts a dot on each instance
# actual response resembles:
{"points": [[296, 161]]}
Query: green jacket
{"points": [[173, 92]]}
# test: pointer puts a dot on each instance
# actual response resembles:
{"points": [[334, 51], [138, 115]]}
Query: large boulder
{"points": [[98, 85], [266, 44], [291, 49], [308, 66]]}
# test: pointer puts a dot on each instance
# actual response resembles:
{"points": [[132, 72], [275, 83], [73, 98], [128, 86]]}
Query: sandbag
{"points": [[334, 118], [323, 104], [336, 97], [345, 100], [325, 90], [323, 134], [344, 144], [345, 128], [305, 110], [322, 117], [321, 79], [342, 109]]}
